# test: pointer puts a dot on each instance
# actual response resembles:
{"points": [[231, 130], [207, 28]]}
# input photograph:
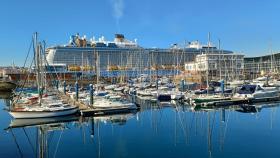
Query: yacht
{"points": [[255, 92]]}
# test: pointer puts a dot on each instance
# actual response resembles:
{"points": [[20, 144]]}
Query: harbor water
{"points": [[156, 130]]}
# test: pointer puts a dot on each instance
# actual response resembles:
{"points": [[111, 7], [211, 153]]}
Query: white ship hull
{"points": [[42, 114]]}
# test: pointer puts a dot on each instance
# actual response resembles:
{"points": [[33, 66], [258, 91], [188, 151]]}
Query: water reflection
{"points": [[5, 95], [47, 127], [5, 98], [169, 129]]}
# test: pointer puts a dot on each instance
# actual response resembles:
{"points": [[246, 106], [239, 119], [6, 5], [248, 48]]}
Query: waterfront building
{"points": [[215, 66], [262, 65]]}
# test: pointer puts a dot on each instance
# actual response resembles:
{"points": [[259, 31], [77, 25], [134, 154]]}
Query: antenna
{"points": [[209, 39]]}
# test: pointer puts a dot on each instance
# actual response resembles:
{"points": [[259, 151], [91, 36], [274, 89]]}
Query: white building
{"points": [[225, 66]]}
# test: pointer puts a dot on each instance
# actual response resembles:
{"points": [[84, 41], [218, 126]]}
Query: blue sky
{"points": [[249, 27]]}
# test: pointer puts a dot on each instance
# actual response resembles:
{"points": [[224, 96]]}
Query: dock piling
{"points": [[56, 84], [92, 127], [77, 90], [223, 115], [222, 87], [64, 87], [182, 85], [91, 94]]}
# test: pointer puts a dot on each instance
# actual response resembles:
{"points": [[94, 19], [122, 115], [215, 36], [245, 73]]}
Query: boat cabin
{"points": [[249, 89]]}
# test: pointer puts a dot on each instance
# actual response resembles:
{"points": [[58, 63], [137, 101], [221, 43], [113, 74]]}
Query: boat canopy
{"points": [[249, 89]]}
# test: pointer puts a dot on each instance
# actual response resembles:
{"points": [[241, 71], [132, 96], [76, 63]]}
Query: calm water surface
{"points": [[154, 131]]}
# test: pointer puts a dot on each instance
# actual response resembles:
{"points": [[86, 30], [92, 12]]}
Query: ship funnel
{"points": [[119, 38]]}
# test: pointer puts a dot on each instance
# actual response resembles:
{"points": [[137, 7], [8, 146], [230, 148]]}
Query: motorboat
{"points": [[252, 91], [100, 93]]}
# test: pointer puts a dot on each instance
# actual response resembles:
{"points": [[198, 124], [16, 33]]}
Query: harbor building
{"points": [[81, 54], [215, 66], [262, 65]]}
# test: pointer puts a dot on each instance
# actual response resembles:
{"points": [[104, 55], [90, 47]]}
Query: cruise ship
{"points": [[81, 54]]}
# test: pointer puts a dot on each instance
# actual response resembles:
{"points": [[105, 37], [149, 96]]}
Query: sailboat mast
{"points": [[37, 65], [108, 65], [43, 64], [207, 60], [271, 62], [150, 67], [121, 65], [220, 68], [96, 67]]}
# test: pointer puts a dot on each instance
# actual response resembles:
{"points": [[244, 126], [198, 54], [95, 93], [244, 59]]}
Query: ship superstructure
{"points": [[123, 54]]}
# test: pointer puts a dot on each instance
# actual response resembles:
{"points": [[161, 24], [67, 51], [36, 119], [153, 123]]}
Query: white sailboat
{"points": [[50, 106], [44, 110]]}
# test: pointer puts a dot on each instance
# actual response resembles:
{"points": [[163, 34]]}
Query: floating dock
{"points": [[85, 110], [105, 111], [234, 101]]}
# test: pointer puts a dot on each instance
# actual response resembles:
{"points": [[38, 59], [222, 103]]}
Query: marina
{"points": [[139, 79], [128, 115], [180, 127]]}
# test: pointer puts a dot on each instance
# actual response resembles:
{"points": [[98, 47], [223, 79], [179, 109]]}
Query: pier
{"points": [[233, 101], [87, 110]]}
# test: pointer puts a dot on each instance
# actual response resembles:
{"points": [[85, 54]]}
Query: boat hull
{"points": [[18, 123], [177, 96], [7, 86], [164, 97], [203, 100], [42, 114]]}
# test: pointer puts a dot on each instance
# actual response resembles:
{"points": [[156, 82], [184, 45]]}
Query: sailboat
{"points": [[210, 98], [42, 107]]}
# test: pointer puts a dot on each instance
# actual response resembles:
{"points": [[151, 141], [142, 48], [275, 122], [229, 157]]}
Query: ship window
{"points": [[259, 88]]}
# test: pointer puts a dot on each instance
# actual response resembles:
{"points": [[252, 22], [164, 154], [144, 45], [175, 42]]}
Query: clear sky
{"points": [[251, 27]]}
